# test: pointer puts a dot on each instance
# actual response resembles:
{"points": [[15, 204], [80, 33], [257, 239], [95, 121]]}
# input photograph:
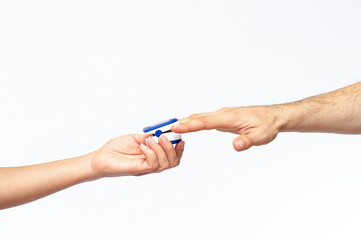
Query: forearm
{"points": [[19, 185], [336, 112]]}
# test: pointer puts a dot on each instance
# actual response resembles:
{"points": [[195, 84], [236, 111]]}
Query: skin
{"points": [[334, 112], [123, 156]]}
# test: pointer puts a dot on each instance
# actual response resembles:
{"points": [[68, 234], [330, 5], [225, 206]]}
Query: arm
{"points": [[335, 112], [126, 155]]}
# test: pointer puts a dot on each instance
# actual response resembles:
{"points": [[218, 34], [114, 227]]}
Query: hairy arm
{"points": [[334, 112]]}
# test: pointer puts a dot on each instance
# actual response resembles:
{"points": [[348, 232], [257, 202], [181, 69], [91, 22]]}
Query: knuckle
{"points": [[110, 142], [203, 122], [152, 155], [202, 118], [164, 167], [173, 163], [160, 170], [155, 165], [224, 109], [194, 116], [156, 148], [264, 137]]}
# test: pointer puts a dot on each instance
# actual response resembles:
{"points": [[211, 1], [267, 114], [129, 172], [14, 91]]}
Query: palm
{"points": [[121, 156]]}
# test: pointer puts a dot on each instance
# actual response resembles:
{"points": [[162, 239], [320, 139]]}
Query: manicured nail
{"points": [[143, 147], [163, 139], [151, 142], [241, 144]]}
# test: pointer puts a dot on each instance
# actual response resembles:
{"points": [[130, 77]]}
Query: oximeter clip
{"points": [[164, 127]]}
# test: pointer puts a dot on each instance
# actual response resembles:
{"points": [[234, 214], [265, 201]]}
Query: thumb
{"points": [[254, 138], [242, 142]]}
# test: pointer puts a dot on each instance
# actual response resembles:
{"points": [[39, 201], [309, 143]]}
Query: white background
{"points": [[74, 74]]}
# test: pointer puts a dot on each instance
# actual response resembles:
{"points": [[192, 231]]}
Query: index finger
{"points": [[140, 138], [198, 122]]}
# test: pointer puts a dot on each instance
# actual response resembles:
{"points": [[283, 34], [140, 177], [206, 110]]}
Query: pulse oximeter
{"points": [[164, 127]]}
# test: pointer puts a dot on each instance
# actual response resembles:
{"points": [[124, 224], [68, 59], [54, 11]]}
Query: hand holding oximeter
{"points": [[164, 127]]}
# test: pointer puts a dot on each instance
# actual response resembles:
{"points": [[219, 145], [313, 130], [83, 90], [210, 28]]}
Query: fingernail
{"points": [[182, 146], [175, 127], [163, 138], [241, 144], [151, 141], [143, 147]]}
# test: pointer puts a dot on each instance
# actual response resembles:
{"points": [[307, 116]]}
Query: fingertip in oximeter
{"points": [[164, 128]]}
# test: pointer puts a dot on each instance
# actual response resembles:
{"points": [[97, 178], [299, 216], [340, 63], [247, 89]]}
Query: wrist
{"points": [[85, 167], [289, 116], [281, 116]]}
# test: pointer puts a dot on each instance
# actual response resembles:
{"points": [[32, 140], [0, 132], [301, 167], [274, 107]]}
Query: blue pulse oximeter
{"points": [[164, 128]]}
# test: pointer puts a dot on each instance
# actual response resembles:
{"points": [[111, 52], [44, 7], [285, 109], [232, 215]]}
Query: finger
{"points": [[242, 142], [151, 161], [140, 138], [169, 150], [179, 149], [199, 122], [254, 138], [245, 141], [161, 155], [197, 115]]}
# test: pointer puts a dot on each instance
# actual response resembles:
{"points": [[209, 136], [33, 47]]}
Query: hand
{"points": [[128, 155], [256, 125]]}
